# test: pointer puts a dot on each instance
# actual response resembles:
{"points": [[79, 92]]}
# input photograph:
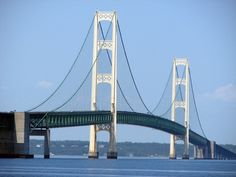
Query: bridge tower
{"points": [[104, 78], [176, 81]]}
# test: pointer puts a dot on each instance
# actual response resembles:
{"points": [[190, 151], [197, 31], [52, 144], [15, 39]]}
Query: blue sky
{"points": [[40, 39]]}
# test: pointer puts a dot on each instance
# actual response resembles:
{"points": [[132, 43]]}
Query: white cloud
{"points": [[45, 84], [225, 93]]}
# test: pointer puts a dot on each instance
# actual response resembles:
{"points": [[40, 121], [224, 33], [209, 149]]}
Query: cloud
{"points": [[225, 93], [45, 84]]}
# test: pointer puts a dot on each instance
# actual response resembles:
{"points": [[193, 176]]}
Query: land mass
{"points": [[130, 149]]}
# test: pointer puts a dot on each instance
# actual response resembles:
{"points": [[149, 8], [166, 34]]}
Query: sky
{"points": [[39, 41]]}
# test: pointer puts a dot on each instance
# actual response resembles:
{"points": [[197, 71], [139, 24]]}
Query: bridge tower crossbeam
{"points": [[101, 78], [184, 104]]}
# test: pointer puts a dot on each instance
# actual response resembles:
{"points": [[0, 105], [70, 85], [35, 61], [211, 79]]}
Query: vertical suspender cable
{"points": [[76, 59], [80, 86], [195, 105], [158, 103], [126, 57]]}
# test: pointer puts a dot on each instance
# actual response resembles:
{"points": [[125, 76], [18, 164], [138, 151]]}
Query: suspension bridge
{"points": [[104, 93]]}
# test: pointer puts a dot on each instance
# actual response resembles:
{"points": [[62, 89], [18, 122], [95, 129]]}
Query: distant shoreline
{"points": [[125, 149]]}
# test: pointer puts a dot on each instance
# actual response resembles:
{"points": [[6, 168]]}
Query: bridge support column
{"points": [[112, 152], [172, 137], [47, 144], [186, 111], [46, 134], [206, 152], [203, 152], [21, 133], [186, 145], [213, 149], [184, 104], [14, 135], [104, 78], [172, 147], [93, 154], [198, 152]]}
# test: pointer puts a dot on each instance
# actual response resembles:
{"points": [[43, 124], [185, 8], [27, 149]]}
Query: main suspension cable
{"points": [[157, 105], [195, 105], [127, 60], [77, 90], [179, 90], [90, 70], [75, 61]]}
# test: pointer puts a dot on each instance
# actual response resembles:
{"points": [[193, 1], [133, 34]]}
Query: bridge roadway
{"points": [[83, 118], [69, 119]]}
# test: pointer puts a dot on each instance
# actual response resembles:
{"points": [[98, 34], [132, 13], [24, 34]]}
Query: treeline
{"points": [[124, 149]]}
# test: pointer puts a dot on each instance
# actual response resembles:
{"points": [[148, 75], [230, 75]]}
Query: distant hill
{"points": [[124, 148]]}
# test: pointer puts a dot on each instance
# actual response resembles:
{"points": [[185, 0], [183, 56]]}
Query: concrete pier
{"points": [[172, 147], [14, 135], [111, 155], [46, 134], [198, 152], [206, 152], [93, 154], [213, 149]]}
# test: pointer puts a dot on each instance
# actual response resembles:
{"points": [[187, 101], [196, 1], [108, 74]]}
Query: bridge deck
{"points": [[69, 119]]}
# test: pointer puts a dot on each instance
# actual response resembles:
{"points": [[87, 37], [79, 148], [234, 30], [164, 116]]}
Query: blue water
{"points": [[39, 167]]}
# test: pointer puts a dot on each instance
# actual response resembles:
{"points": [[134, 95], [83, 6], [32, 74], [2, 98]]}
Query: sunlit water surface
{"points": [[65, 166]]}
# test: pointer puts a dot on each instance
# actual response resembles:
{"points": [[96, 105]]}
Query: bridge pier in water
{"points": [[104, 78], [112, 152], [93, 154], [14, 135], [15, 132], [212, 149], [15, 127], [46, 134], [206, 152], [183, 104], [172, 147], [198, 152]]}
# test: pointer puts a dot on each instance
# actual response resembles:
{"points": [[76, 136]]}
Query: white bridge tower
{"points": [[104, 78], [176, 81]]}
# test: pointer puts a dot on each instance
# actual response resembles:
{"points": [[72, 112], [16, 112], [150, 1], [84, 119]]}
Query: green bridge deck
{"points": [[69, 119], [40, 120]]}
